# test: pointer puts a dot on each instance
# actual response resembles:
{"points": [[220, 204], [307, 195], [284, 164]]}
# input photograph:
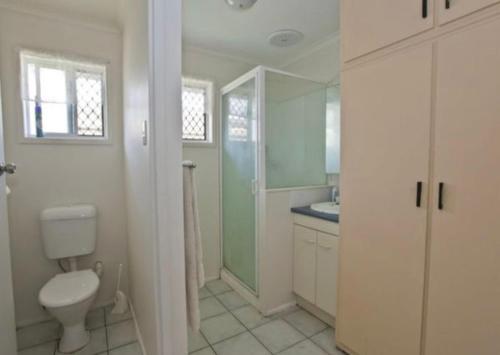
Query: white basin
{"points": [[326, 207]]}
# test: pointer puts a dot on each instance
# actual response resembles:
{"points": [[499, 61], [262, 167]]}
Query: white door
{"points": [[7, 321], [326, 272], [450, 10], [385, 153], [304, 263], [370, 25], [463, 315]]}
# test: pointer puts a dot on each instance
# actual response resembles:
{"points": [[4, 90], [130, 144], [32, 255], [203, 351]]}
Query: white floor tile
{"points": [[277, 335], [241, 344], [231, 300], [196, 341], [221, 327], [210, 307], [38, 334], [44, 349], [96, 345], [206, 351], [95, 319], [131, 349], [306, 323], [250, 316], [218, 286], [121, 333], [204, 293], [115, 318], [326, 341], [306, 347]]}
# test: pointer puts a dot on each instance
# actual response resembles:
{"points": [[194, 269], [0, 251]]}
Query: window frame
{"points": [[208, 86], [71, 67]]}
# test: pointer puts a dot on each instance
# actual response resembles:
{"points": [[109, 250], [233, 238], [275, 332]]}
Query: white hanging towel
{"points": [[195, 277]]}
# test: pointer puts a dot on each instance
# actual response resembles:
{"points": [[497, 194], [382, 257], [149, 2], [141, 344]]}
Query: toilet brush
{"points": [[121, 304]]}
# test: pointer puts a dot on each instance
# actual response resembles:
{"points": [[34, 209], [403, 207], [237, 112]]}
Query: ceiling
{"points": [[102, 12], [212, 25]]}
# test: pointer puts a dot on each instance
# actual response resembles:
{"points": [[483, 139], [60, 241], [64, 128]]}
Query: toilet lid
{"points": [[69, 288]]}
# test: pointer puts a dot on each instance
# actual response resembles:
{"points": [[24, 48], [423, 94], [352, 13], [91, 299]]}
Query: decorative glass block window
{"points": [[62, 99], [196, 111]]}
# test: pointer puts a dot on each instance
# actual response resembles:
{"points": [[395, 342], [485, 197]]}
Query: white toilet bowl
{"points": [[68, 297]]}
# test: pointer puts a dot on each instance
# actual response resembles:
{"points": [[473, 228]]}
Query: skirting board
{"points": [[137, 330], [308, 306], [239, 288]]}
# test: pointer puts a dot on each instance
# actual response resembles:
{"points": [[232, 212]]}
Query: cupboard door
{"points": [[326, 272], [386, 109], [370, 25], [304, 263], [463, 312], [450, 10]]}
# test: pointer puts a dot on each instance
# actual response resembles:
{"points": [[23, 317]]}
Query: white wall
{"points": [[221, 71], [321, 63], [143, 291], [60, 174]]}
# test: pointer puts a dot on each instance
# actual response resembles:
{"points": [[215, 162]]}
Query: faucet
{"points": [[335, 195]]}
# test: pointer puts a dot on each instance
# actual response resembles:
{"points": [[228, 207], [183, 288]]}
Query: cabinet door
{"points": [[370, 25], [463, 312], [304, 263], [326, 272], [386, 108], [450, 10]]}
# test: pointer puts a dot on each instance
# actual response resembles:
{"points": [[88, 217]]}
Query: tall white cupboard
{"points": [[419, 256]]}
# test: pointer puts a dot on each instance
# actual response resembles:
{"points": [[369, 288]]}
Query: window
{"points": [[62, 99], [196, 111]]}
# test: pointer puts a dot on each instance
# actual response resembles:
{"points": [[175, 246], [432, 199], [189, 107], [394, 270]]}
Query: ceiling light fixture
{"points": [[285, 38], [241, 4]]}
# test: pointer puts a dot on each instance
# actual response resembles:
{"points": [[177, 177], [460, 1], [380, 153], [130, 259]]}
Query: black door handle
{"points": [[447, 4], [440, 196], [419, 193], [425, 8]]}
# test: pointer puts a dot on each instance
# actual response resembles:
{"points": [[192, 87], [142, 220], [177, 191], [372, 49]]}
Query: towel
{"points": [[195, 278]]}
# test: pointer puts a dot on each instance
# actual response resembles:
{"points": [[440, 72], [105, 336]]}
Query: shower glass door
{"points": [[239, 184]]}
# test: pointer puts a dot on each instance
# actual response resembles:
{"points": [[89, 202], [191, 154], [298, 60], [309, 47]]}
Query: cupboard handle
{"points": [[419, 193], [325, 247], [425, 8], [310, 242], [440, 198], [447, 4]]}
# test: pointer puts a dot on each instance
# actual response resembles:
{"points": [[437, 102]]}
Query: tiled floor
{"points": [[230, 326], [111, 334]]}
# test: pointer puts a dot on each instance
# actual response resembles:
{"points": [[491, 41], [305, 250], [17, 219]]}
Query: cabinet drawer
{"points": [[304, 263], [450, 10]]}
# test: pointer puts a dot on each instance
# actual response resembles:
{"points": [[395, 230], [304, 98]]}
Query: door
{"points": [[386, 108], [450, 10], [304, 263], [370, 25], [7, 320], [463, 313], [239, 184], [326, 272]]}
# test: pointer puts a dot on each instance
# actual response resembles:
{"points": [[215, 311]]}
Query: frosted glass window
{"points": [[295, 132], [333, 130], [62, 98]]}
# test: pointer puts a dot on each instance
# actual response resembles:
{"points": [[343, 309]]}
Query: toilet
{"points": [[69, 232]]}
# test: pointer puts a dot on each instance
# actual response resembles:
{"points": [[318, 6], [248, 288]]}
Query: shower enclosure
{"points": [[273, 129]]}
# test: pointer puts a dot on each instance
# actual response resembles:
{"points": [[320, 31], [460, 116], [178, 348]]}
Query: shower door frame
{"points": [[257, 74]]}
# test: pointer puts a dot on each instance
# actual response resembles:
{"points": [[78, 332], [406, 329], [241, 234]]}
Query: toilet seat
{"points": [[68, 288]]}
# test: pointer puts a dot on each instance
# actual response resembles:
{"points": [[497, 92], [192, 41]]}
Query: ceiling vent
{"points": [[241, 4], [285, 38]]}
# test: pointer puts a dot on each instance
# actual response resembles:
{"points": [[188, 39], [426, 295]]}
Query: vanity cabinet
{"points": [[315, 264], [450, 10]]}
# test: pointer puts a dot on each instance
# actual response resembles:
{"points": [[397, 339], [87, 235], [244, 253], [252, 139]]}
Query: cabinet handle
{"points": [[310, 242], [447, 4], [325, 247], [425, 8], [440, 198], [419, 193]]}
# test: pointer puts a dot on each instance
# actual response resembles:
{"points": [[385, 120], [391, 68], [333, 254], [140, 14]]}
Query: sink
{"points": [[326, 207]]}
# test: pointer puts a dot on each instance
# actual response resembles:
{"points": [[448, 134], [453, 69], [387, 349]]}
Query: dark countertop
{"points": [[306, 210]]}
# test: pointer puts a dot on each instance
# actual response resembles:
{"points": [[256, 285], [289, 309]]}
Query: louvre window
{"points": [[62, 99], [196, 111]]}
